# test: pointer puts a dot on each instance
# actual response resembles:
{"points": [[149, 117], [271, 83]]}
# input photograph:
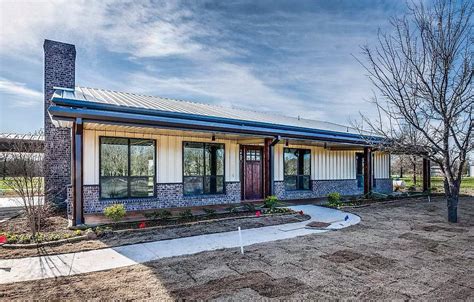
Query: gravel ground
{"points": [[401, 250], [126, 237]]}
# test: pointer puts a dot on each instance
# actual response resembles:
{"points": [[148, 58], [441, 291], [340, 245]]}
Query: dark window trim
{"points": [[128, 176], [203, 176], [298, 175]]}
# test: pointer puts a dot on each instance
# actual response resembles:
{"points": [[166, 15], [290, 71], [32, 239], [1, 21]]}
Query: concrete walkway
{"points": [[34, 268]]}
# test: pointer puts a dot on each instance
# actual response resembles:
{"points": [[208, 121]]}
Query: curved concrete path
{"points": [[33, 268]]}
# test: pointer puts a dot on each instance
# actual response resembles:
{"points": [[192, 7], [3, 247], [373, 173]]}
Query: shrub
{"points": [[232, 209], [249, 207], [115, 212], [209, 212], [270, 202], [334, 197], [164, 214], [186, 214]]}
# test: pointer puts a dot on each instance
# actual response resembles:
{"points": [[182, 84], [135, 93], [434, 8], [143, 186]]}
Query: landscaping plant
{"points": [[209, 212], [249, 207], [115, 212], [270, 202], [25, 167], [186, 214]]}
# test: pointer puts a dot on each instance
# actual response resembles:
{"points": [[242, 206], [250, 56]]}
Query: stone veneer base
{"points": [[168, 195], [383, 185], [321, 188]]}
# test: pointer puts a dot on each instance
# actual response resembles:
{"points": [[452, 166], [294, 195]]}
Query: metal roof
{"points": [[132, 100], [20, 136], [111, 107], [12, 142]]}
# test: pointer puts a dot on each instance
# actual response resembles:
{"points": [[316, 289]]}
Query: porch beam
{"points": [[77, 172], [367, 170]]}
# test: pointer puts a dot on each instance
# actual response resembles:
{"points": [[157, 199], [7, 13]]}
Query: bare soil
{"points": [[126, 237], [399, 251]]}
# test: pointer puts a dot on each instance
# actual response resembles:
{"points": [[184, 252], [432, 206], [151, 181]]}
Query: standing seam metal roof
{"points": [[132, 100]]}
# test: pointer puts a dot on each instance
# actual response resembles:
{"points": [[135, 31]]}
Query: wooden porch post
{"points": [[426, 174], [367, 170], [77, 173]]}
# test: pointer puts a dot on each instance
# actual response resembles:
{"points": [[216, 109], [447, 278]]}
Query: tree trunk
{"points": [[414, 174], [453, 209], [452, 198]]}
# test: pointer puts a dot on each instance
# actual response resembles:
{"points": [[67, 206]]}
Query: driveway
{"points": [[34, 268]]}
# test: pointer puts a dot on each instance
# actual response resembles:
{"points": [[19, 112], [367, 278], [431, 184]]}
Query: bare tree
{"points": [[422, 73], [25, 178]]}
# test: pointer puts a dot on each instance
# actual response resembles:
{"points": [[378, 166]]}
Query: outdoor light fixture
{"points": [[325, 145], [286, 143], [213, 138]]}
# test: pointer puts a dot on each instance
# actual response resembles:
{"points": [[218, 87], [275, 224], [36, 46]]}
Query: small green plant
{"points": [[115, 212], [278, 211], [209, 212], [334, 197], [232, 209], [186, 214], [249, 207], [54, 237], [164, 214], [270, 202], [77, 232]]}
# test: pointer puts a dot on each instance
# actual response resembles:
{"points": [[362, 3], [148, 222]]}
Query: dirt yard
{"points": [[403, 250]]}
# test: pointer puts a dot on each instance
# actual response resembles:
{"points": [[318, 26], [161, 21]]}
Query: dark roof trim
{"points": [[142, 111], [93, 115]]}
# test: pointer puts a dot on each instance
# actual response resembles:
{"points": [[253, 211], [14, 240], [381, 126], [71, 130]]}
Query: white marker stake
{"points": [[240, 240]]}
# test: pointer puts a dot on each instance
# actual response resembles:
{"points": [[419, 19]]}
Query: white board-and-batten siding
{"points": [[169, 155], [325, 164], [331, 164]]}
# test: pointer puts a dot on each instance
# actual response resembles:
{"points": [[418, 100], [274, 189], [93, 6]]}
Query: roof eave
{"points": [[74, 103], [93, 115]]}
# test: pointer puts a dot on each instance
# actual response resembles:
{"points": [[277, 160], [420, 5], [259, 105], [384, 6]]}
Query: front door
{"points": [[252, 157]]}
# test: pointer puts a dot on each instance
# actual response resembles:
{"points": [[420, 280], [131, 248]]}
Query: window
{"points": [[252, 155], [297, 169], [127, 167], [203, 168]]}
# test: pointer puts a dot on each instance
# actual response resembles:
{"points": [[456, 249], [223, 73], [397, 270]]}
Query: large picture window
{"points": [[297, 169], [203, 168], [127, 167]]}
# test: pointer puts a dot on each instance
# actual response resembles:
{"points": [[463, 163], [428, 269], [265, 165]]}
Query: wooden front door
{"points": [[252, 158]]}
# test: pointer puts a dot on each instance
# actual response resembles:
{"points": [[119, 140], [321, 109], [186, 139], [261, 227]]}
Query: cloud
{"points": [[224, 84], [22, 96], [288, 58]]}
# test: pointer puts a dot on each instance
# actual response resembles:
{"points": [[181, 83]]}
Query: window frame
{"points": [[204, 169], [297, 168], [129, 165]]}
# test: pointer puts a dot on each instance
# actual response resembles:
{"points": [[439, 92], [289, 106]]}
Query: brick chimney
{"points": [[59, 71]]}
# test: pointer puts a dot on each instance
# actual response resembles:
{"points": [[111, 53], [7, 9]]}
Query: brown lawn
{"points": [[402, 250]]}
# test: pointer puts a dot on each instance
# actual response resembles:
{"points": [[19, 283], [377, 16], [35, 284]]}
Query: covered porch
{"points": [[150, 159]]}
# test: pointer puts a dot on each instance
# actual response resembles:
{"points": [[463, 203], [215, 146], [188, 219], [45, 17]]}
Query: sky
{"points": [[287, 57]]}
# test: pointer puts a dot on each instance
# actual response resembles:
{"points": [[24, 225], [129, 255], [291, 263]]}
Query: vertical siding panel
{"points": [[89, 161], [228, 164]]}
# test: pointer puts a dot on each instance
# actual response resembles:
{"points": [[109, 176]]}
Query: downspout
{"points": [[275, 141]]}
